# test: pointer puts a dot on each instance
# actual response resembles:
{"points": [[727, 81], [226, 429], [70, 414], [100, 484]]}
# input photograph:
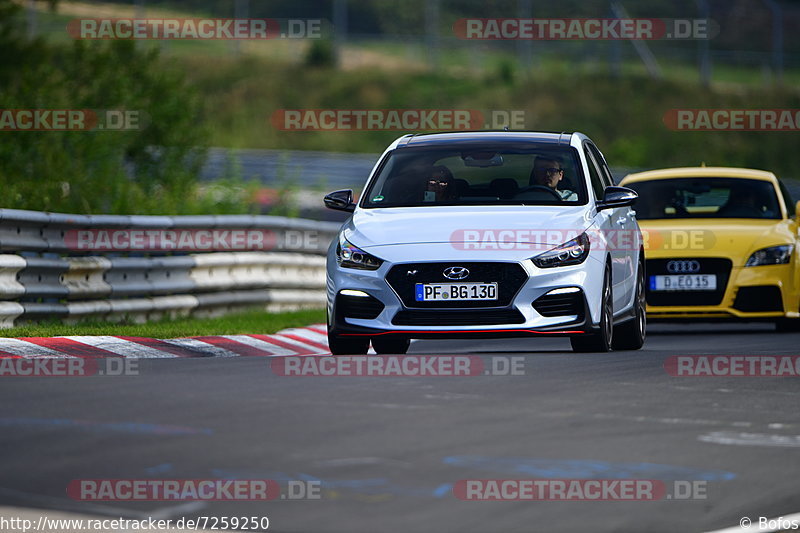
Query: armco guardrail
{"points": [[139, 268]]}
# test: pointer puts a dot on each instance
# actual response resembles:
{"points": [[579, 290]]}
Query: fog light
{"points": [[351, 292], [563, 290]]}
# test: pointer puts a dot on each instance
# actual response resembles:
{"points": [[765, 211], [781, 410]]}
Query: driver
{"points": [[741, 204], [548, 172]]}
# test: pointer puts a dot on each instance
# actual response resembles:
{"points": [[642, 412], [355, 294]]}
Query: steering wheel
{"points": [[540, 188]]}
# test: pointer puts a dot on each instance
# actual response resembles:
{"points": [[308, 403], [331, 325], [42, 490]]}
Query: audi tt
{"points": [[721, 243]]}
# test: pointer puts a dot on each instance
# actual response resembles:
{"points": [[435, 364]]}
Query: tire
{"points": [[390, 345], [631, 334], [339, 345], [600, 341], [787, 325]]}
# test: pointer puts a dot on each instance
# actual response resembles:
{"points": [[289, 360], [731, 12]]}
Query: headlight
{"points": [[776, 255], [349, 256], [573, 252]]}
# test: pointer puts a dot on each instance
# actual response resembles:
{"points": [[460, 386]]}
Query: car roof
{"points": [[479, 137], [701, 172]]}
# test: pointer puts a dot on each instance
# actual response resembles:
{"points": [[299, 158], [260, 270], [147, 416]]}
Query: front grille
{"points": [[719, 266], [509, 278], [551, 305], [426, 317], [358, 306], [759, 299]]}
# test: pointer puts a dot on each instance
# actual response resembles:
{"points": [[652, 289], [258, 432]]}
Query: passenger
{"points": [[440, 185], [665, 198]]}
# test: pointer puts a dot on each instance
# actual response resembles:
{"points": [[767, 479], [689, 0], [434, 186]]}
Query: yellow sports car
{"points": [[719, 243]]}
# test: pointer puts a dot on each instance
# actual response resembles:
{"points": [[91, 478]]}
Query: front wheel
{"points": [[631, 334], [390, 345], [600, 341], [787, 325], [340, 345]]}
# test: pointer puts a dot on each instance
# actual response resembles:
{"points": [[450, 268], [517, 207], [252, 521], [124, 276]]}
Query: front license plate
{"points": [[684, 282], [439, 292]]}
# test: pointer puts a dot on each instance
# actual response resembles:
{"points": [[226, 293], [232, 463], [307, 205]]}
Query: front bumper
{"points": [[566, 329], [528, 322], [752, 293]]}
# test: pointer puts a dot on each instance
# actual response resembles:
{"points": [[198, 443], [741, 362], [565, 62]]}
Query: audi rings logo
{"points": [[455, 273], [683, 267]]}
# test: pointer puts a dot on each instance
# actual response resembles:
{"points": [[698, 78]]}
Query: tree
{"points": [[149, 169]]}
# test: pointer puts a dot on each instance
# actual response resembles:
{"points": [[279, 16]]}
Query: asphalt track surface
{"points": [[387, 450]]}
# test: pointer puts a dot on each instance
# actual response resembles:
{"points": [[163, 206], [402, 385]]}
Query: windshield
{"points": [[706, 198], [489, 175]]}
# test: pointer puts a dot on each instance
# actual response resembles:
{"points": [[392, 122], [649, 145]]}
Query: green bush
{"points": [[151, 169], [321, 53]]}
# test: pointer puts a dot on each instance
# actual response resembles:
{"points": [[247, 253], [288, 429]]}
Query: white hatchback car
{"points": [[485, 235]]}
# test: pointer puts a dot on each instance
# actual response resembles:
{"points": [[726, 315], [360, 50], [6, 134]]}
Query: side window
{"points": [[601, 162], [787, 199], [594, 174]]}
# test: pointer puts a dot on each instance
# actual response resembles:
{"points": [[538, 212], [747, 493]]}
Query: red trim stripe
{"points": [[464, 331]]}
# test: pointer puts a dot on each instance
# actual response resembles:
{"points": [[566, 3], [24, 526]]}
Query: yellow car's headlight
{"points": [[774, 255]]}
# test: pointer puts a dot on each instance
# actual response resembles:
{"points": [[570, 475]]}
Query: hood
{"points": [[733, 238], [378, 228]]}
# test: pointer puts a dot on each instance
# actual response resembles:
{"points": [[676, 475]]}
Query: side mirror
{"points": [[340, 200], [617, 197]]}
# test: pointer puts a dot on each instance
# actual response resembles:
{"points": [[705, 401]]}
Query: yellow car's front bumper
{"points": [[738, 304]]}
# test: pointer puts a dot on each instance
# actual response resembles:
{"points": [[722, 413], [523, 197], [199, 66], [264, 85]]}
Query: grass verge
{"points": [[247, 322]]}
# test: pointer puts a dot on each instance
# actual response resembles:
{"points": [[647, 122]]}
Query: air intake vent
{"points": [[367, 307], [458, 318], [568, 304], [761, 299]]}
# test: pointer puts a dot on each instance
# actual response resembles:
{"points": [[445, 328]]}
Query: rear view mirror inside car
{"points": [[482, 159]]}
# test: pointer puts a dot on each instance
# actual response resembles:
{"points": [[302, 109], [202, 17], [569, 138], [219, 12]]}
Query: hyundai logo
{"points": [[683, 267], [456, 273]]}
